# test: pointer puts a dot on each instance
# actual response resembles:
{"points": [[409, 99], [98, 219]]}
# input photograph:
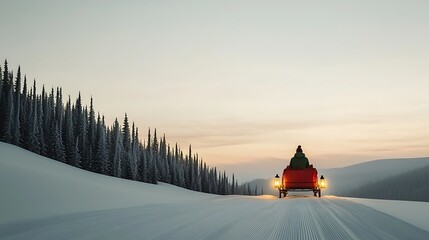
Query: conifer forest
{"points": [[68, 131]]}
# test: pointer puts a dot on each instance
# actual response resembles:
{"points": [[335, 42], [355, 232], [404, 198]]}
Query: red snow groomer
{"points": [[300, 180]]}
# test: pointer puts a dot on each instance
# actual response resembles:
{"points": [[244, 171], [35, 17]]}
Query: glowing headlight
{"points": [[322, 182], [277, 181]]}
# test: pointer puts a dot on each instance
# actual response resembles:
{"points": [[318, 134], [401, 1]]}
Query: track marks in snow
{"points": [[223, 218]]}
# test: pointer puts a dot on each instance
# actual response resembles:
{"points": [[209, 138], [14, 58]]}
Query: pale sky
{"points": [[244, 82]]}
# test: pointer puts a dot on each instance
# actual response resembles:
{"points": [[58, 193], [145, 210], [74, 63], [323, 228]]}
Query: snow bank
{"points": [[32, 186], [415, 213]]}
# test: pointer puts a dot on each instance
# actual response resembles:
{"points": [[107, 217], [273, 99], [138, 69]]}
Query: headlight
{"points": [[277, 181], [322, 182]]}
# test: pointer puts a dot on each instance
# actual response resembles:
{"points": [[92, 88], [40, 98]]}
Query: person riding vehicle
{"points": [[299, 161]]}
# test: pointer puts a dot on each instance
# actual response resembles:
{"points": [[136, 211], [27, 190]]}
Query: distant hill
{"points": [[412, 186], [342, 181]]}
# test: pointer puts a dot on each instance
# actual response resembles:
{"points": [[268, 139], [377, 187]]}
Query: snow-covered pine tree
{"points": [[69, 141], [111, 148], [26, 117], [149, 157], [197, 173], [6, 107], [59, 115], [201, 176], [126, 141], [142, 164], [155, 157], [51, 129], [39, 125], [233, 185], [214, 181], [138, 150], [32, 141], [190, 170], [101, 156], [205, 180], [90, 140], [16, 123], [108, 161], [170, 163], [152, 165], [117, 149], [166, 166], [23, 115], [45, 122], [86, 150], [177, 165], [79, 130], [59, 109], [134, 152], [186, 172], [226, 184], [9, 111], [58, 148], [162, 161], [106, 165], [220, 185], [181, 168]]}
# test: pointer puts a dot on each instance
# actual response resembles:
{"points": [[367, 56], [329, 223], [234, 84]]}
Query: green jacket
{"points": [[299, 161]]}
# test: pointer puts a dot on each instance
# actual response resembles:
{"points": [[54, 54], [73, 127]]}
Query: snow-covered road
{"points": [[223, 218]]}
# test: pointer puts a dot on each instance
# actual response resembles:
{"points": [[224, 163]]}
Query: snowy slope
{"points": [[415, 213], [45, 199], [33, 186]]}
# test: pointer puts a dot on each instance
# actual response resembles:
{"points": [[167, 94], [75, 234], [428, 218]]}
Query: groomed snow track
{"points": [[223, 218]]}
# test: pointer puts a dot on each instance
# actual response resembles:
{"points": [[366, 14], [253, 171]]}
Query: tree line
{"points": [[74, 134]]}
